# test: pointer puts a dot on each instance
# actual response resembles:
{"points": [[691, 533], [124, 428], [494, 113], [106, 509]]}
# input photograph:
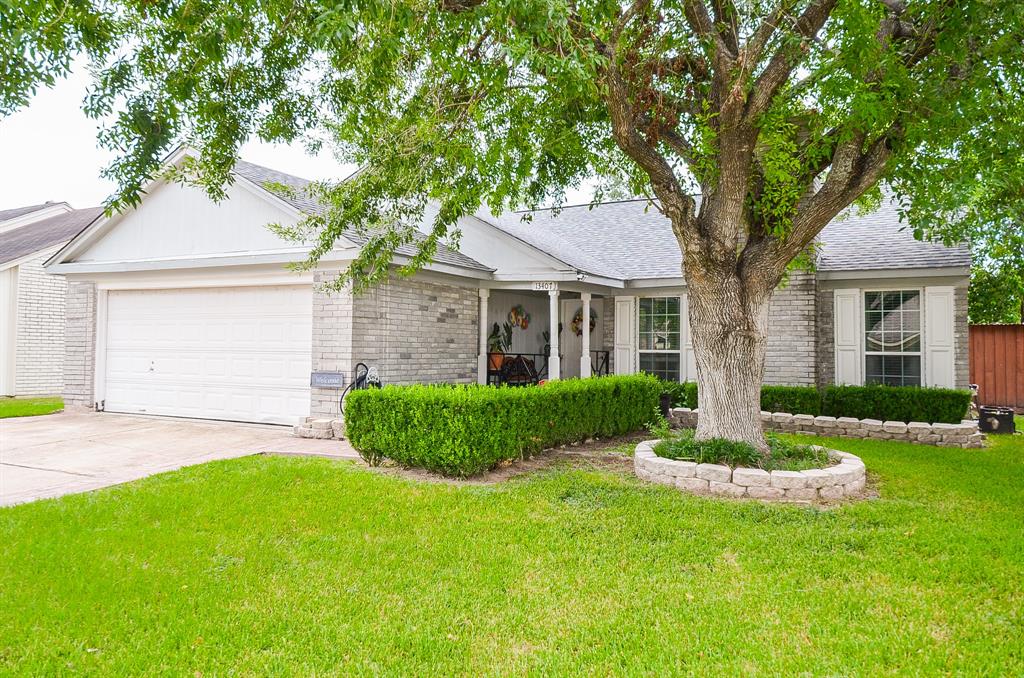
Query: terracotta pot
{"points": [[495, 360]]}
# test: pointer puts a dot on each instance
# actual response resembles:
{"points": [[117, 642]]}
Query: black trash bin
{"points": [[996, 420]]}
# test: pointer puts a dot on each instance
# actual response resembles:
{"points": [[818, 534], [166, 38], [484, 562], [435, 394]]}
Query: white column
{"points": [[585, 351], [481, 360], [554, 362]]}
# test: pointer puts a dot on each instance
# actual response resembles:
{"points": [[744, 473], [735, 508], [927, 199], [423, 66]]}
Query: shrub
{"points": [[897, 403], [792, 399], [782, 455], [464, 430], [677, 390]]}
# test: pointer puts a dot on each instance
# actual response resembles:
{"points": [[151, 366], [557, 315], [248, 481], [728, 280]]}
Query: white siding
{"points": [[8, 328], [181, 221]]}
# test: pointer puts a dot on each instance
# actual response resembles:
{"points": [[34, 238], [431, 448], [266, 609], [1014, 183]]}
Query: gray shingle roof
{"points": [[19, 211], [878, 241], [631, 240], [301, 200], [38, 236]]}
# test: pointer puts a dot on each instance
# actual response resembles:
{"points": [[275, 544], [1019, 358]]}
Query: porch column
{"points": [[481, 360], [585, 352], [554, 362]]}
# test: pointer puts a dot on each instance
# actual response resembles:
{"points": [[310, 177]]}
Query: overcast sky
{"points": [[48, 151]]}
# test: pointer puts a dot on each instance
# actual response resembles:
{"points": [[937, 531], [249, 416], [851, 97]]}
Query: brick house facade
{"points": [[166, 315]]}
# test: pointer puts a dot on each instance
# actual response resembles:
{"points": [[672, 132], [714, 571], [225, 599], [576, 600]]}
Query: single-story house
{"points": [[184, 306], [32, 302]]}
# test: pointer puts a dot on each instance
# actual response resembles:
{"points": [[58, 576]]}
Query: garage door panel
{"points": [[228, 353]]}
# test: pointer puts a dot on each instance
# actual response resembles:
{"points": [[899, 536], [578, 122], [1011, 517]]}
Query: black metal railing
{"points": [[523, 369]]}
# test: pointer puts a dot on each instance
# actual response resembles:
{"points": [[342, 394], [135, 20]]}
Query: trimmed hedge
{"points": [[792, 399], [464, 430], [887, 403], [897, 403]]}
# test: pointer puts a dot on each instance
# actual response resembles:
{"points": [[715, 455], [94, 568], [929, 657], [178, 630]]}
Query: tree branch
{"points": [[778, 70]]}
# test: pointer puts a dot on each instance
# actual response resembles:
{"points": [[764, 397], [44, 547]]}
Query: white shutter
{"points": [[689, 366], [625, 335], [939, 337], [847, 316]]}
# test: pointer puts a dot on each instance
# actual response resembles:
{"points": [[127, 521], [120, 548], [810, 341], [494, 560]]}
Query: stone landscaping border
{"points": [[323, 429], [965, 434], [835, 482]]}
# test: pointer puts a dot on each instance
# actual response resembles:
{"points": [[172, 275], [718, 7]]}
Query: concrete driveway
{"points": [[57, 454]]}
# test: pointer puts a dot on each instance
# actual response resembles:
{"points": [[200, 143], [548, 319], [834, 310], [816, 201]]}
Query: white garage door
{"points": [[233, 353]]}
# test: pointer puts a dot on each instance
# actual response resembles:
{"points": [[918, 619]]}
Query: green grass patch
{"points": [[784, 455], [29, 407], [271, 565]]}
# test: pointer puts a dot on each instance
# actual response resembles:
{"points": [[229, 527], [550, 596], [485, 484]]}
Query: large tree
{"points": [[778, 113]]}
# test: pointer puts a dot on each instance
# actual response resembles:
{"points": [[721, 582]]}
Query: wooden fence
{"points": [[997, 364]]}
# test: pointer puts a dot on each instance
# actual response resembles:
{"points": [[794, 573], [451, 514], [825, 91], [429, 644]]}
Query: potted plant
{"points": [[499, 342]]}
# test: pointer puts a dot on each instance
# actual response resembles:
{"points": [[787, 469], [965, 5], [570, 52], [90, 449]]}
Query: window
{"points": [[892, 338], [660, 342]]}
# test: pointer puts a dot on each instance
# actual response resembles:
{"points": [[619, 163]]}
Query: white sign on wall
{"points": [[545, 286]]}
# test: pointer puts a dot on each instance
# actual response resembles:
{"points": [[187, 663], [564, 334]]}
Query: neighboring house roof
{"points": [[21, 211], [298, 197], [40, 235], [632, 240]]}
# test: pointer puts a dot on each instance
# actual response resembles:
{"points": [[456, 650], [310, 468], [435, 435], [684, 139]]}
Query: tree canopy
{"points": [[504, 104]]}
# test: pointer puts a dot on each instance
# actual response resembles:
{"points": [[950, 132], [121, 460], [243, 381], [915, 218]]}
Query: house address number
{"points": [[545, 286]]}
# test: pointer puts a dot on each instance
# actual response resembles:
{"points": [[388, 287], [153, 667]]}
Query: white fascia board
{"points": [[512, 279], [646, 283], [933, 272], [285, 256]]}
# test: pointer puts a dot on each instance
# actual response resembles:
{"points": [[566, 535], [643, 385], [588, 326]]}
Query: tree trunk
{"points": [[729, 328]]}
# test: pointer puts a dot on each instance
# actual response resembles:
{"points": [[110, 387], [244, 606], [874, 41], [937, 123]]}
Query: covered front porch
{"points": [[531, 334]]}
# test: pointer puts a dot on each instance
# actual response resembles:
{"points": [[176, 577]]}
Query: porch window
{"points": [[892, 341], [660, 343]]}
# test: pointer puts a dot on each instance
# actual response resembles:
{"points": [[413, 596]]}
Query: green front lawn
{"points": [[28, 407], [286, 565]]}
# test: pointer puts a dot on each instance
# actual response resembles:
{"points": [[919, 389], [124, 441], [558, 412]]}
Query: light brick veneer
{"points": [[417, 332], [846, 478], [791, 333], [79, 344], [412, 331], [39, 360]]}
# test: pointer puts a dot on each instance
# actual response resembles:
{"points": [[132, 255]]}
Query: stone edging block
{"points": [[965, 434], [847, 478]]}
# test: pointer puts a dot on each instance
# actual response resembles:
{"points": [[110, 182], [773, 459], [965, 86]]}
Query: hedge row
{"points": [[464, 430], [887, 403]]}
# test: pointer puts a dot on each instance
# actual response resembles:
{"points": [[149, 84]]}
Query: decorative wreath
{"points": [[518, 317], [577, 322]]}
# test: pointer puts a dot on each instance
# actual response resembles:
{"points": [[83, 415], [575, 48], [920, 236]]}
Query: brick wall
{"points": [[962, 368], [79, 344], [39, 361], [792, 342], [332, 342], [417, 332], [826, 338], [608, 341]]}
